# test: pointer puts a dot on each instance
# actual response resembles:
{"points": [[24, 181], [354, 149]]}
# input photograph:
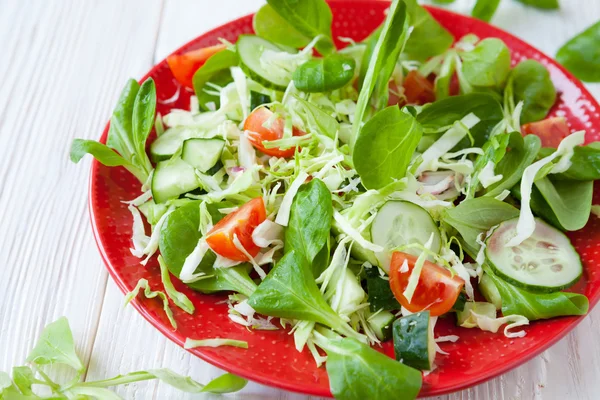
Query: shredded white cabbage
{"points": [[238, 245], [283, 215], [353, 233], [503, 195], [267, 233], [192, 261], [413, 279], [487, 177], [152, 245], [492, 324], [526, 224], [139, 238], [141, 199], [239, 79], [247, 156]]}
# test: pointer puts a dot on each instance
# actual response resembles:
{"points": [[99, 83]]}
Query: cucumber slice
{"points": [[170, 142], [490, 292], [381, 323], [544, 263], [413, 341], [202, 154], [380, 294], [250, 49], [459, 304], [399, 223], [171, 179]]}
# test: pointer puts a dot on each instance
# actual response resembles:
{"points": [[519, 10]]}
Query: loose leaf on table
{"points": [[290, 291], [56, 346], [485, 9], [523, 151], [358, 372], [580, 55], [23, 377], [270, 25], [385, 146], [324, 74], [428, 38], [441, 115], [534, 306], [543, 4], [487, 65], [310, 18], [585, 162], [493, 152], [530, 83], [310, 222], [215, 70], [565, 204], [381, 64], [475, 216]]}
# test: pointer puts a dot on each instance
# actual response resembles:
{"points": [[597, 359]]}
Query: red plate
{"points": [[271, 358]]}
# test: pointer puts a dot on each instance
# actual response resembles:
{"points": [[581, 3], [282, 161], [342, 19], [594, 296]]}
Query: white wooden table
{"points": [[62, 65]]}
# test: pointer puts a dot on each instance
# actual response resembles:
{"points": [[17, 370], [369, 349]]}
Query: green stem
{"points": [[120, 380], [48, 382]]}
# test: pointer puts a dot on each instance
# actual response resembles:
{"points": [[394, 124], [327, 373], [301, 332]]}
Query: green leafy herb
{"points": [[580, 54], [192, 343], [149, 294], [215, 70], [487, 65], [130, 125], [534, 306], [385, 146], [358, 372], [310, 222], [485, 9], [324, 74], [565, 204], [428, 38], [56, 346], [523, 151], [543, 4], [381, 64], [271, 26], [290, 291], [530, 83], [257, 99], [180, 299], [310, 18]]}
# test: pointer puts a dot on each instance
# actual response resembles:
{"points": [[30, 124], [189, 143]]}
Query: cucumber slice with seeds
{"points": [[544, 263], [250, 48]]}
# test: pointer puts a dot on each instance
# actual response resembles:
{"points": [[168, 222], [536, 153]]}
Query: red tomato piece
{"points": [[551, 131], [257, 133], [240, 223], [184, 66], [436, 291], [418, 89]]}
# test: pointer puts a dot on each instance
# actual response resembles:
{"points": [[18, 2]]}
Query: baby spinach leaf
{"points": [[475, 216], [358, 372], [257, 99], [530, 83], [580, 55], [214, 70], [523, 151], [439, 116], [488, 64], [290, 291], [56, 346], [310, 222], [381, 64], [485, 9], [585, 163], [319, 120], [534, 306], [270, 25], [543, 4], [385, 146], [310, 18], [565, 202], [324, 74], [428, 38]]}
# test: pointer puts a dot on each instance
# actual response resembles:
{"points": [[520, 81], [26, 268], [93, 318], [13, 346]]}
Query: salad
{"points": [[357, 195]]}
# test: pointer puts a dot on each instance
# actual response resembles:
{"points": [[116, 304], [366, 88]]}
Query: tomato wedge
{"points": [[436, 291], [551, 131], [240, 223], [184, 66], [257, 133], [418, 89]]}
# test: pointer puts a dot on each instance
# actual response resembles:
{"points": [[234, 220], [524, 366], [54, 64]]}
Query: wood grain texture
{"points": [[63, 64]]}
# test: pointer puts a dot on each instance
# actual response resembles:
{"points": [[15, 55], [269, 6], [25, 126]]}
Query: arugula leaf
{"points": [[358, 372], [310, 222], [214, 70], [381, 64], [441, 115], [475, 216], [585, 162], [565, 204], [149, 294], [485, 9], [324, 74], [534, 306], [493, 152], [385, 146], [580, 54], [290, 291], [530, 83], [523, 151], [310, 18], [56, 345], [487, 65], [428, 38], [543, 4], [180, 299], [270, 25]]}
